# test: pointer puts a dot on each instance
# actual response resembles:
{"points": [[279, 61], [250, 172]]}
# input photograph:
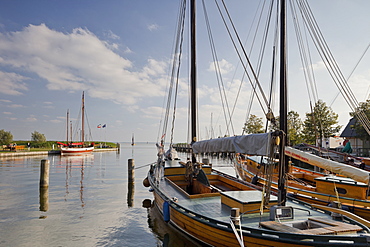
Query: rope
{"points": [[330, 63], [239, 238], [145, 165]]}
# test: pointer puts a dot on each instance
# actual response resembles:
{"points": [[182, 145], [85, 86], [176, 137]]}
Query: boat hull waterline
{"points": [[217, 231]]}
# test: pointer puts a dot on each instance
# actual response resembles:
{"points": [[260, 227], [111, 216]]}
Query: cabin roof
{"points": [[349, 131]]}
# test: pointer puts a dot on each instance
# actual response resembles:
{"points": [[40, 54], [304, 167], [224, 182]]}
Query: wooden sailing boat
{"points": [[77, 147], [219, 210], [350, 186]]}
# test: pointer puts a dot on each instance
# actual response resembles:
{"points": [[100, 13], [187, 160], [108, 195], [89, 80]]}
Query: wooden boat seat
{"points": [[328, 227], [277, 226]]}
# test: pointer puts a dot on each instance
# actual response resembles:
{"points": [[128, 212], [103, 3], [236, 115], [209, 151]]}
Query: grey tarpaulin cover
{"points": [[254, 144]]}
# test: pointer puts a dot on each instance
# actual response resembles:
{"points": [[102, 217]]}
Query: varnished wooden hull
{"points": [[219, 233], [355, 205]]}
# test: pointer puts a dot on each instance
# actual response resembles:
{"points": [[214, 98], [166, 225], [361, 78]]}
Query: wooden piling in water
{"points": [[44, 173], [131, 170], [131, 182]]}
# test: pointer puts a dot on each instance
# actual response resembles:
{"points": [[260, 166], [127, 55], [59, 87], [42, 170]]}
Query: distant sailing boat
{"points": [[132, 140], [77, 147]]}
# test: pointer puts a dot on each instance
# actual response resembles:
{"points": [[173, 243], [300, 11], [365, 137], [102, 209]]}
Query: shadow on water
{"points": [[165, 232]]}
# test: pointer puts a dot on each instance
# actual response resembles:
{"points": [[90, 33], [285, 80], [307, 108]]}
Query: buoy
{"points": [[166, 211], [146, 182]]}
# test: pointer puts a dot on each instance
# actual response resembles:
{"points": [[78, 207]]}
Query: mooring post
{"points": [[44, 173], [131, 182], [131, 170], [235, 216], [118, 147]]}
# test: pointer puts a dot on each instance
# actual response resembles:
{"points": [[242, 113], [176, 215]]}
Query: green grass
{"points": [[48, 146]]}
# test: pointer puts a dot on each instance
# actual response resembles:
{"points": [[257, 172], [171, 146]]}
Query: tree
{"points": [[38, 137], [321, 123], [5, 137], [360, 131], [295, 126], [253, 125]]}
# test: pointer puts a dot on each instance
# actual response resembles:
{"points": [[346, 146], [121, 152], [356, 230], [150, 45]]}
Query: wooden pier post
{"points": [[131, 182], [44, 173], [131, 171]]}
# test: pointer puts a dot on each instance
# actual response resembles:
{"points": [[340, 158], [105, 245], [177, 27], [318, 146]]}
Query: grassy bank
{"points": [[48, 146]]}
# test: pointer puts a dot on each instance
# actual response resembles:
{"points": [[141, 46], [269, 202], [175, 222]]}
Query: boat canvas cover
{"points": [[254, 144], [355, 173]]}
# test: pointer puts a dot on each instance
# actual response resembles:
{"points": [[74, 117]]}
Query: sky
{"points": [[119, 53]]}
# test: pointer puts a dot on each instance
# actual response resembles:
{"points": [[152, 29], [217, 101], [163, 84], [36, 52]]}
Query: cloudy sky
{"points": [[119, 53]]}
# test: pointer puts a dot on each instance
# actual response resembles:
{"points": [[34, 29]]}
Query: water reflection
{"points": [[165, 232], [44, 199], [79, 163], [130, 194]]}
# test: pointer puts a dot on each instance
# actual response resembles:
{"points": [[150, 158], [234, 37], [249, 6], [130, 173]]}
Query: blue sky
{"points": [[118, 52]]}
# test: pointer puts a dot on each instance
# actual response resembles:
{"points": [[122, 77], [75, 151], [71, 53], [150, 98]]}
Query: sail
{"points": [[254, 144], [355, 173]]}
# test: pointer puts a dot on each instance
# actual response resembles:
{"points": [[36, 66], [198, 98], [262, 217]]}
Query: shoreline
{"points": [[51, 152]]}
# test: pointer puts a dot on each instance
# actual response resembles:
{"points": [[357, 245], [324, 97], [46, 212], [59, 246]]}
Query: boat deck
{"points": [[212, 206]]}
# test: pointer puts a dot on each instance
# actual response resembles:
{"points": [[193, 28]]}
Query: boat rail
{"points": [[266, 233]]}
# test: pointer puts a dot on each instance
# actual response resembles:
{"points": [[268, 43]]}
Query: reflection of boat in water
{"points": [[168, 235], [72, 163], [72, 148]]}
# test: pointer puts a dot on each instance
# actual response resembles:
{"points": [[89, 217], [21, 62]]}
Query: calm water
{"points": [[88, 204]]}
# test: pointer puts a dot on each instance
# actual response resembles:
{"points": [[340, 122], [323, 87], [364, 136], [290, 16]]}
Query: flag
{"points": [[99, 126], [104, 126]]}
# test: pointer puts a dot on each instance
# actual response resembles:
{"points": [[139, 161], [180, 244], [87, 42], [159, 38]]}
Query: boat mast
{"points": [[193, 74], [83, 118], [283, 106], [67, 125]]}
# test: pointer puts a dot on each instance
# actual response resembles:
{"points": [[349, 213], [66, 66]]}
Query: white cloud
{"points": [[16, 106], [48, 105], [153, 27], [128, 51], [79, 61], [223, 65], [12, 84], [31, 118], [55, 121], [111, 35], [7, 113]]}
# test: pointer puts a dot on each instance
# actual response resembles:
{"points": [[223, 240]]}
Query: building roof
{"points": [[349, 131]]}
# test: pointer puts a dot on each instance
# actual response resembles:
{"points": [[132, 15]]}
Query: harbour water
{"points": [[88, 203]]}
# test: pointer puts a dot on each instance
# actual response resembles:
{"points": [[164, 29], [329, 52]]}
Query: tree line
{"points": [[38, 140], [321, 122]]}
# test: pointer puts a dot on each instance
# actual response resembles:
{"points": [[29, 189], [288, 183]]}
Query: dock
{"points": [[51, 152]]}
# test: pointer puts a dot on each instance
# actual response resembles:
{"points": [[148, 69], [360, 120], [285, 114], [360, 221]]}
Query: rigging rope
{"points": [[241, 47], [331, 64], [175, 72]]}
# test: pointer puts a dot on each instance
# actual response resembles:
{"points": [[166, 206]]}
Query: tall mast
{"points": [[67, 125], [283, 106], [83, 117], [193, 74]]}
